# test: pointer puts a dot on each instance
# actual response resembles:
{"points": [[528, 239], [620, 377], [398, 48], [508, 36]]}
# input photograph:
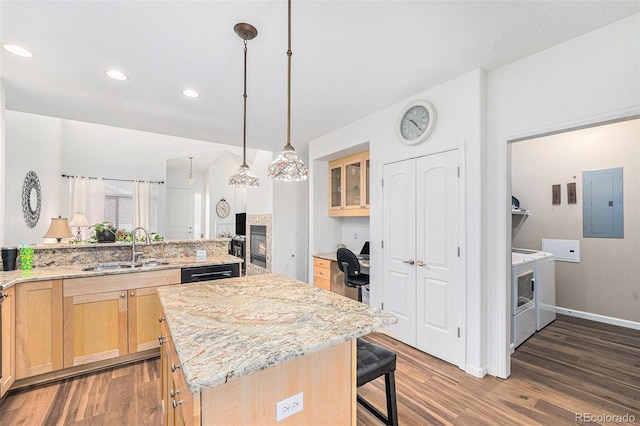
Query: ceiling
{"points": [[350, 58]]}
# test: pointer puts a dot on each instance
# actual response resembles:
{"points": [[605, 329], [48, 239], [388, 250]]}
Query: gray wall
{"points": [[606, 281]]}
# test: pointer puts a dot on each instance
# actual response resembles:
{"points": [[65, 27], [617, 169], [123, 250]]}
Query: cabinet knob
{"points": [[174, 367], [132, 294], [160, 319], [410, 261], [173, 393], [123, 295], [420, 263], [162, 339], [176, 403]]}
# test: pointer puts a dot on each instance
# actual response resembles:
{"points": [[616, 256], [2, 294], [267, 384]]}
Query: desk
{"points": [[327, 275]]}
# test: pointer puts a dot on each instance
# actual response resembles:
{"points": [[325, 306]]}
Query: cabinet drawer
{"points": [[321, 263], [322, 283], [321, 273]]}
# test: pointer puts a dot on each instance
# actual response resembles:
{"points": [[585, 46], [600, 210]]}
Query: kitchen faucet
{"points": [[134, 253]]}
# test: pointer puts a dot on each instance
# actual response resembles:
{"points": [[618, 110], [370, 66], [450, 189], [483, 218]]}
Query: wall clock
{"points": [[223, 208], [31, 199], [416, 122]]}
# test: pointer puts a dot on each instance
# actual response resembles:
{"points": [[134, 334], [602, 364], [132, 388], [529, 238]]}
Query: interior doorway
{"points": [[601, 286]]}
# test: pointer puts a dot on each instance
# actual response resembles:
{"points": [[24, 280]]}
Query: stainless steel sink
{"points": [[109, 266], [114, 266], [150, 263]]}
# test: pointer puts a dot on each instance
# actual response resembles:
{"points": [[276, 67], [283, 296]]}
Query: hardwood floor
{"points": [[127, 395], [573, 367]]}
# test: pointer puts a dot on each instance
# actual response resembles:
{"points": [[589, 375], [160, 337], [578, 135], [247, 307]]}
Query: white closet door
{"points": [[399, 221], [439, 297], [179, 214]]}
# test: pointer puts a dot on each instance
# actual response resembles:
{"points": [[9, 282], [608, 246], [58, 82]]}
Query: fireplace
{"points": [[258, 244], [258, 249]]}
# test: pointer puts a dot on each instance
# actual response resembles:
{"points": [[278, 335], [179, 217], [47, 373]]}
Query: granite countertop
{"points": [[234, 327], [332, 256], [10, 278]]}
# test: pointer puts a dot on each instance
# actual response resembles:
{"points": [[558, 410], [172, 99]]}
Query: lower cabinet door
{"points": [[95, 327], [144, 312], [8, 340], [38, 328]]}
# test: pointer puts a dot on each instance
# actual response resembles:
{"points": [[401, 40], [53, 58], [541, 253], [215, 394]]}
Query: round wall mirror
{"points": [[31, 199]]}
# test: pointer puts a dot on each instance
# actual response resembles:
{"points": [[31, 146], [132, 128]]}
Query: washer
{"points": [[545, 293], [523, 307]]}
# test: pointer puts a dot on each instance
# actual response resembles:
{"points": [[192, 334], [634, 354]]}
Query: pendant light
{"points": [[244, 177], [288, 166], [191, 171]]}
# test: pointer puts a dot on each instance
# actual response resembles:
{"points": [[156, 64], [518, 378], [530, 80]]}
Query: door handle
{"points": [[420, 263], [410, 261]]}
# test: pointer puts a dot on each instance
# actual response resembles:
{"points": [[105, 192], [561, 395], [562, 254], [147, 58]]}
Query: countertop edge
{"points": [[75, 271]]}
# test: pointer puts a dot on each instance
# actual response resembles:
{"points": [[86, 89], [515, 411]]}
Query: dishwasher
{"points": [[210, 272]]}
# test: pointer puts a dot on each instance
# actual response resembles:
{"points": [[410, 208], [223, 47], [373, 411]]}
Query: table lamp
{"points": [[59, 229], [79, 220]]}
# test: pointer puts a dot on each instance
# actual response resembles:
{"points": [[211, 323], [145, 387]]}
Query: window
{"points": [[118, 204]]}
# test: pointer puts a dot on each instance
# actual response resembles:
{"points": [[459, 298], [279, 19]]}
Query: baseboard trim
{"points": [[599, 318], [476, 371]]}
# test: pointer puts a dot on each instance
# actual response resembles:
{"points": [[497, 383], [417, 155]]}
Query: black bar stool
{"points": [[374, 361]]}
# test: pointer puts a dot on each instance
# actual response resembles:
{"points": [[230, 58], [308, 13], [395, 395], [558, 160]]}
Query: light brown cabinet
{"points": [[110, 316], [38, 328], [327, 275], [322, 273], [8, 340], [349, 192], [180, 406]]}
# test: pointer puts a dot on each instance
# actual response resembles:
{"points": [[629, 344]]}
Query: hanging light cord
{"points": [[244, 129], [289, 53]]}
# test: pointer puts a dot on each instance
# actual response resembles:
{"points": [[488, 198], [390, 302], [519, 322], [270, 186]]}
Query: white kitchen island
{"points": [[238, 346]]}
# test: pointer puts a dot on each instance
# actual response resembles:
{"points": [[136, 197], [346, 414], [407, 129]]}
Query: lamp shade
{"points": [[80, 220], [59, 229]]}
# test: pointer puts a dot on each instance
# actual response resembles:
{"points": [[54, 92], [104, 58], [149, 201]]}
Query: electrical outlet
{"points": [[288, 407]]}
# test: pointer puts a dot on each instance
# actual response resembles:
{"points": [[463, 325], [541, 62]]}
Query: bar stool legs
{"points": [[374, 361], [391, 418]]}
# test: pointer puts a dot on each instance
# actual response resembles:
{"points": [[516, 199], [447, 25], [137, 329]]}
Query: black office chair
{"points": [[350, 265]]}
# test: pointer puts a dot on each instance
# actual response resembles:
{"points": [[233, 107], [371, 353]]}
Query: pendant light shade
{"points": [[244, 177], [288, 166], [191, 180]]}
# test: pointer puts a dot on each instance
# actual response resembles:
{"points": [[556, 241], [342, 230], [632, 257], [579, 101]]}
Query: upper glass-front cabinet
{"points": [[349, 186]]}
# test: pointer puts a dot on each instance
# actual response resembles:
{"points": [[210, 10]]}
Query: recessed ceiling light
{"points": [[116, 75], [17, 50], [190, 93]]}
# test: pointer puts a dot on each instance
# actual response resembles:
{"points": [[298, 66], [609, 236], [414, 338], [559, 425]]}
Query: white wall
{"points": [[355, 231], [2, 159], [32, 142], [289, 227], [583, 81], [459, 105]]}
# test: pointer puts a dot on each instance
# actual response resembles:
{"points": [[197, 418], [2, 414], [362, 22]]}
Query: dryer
{"points": [[523, 306], [545, 276]]}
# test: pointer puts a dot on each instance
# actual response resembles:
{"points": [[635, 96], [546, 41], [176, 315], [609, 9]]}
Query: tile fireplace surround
{"points": [[265, 221]]}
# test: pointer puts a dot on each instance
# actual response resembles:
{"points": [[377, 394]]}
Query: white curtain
{"points": [[86, 196], [141, 204]]}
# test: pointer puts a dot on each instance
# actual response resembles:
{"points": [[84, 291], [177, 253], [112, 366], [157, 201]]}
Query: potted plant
{"points": [[105, 232]]}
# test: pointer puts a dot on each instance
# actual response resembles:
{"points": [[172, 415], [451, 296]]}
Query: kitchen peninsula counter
{"points": [[232, 329]]}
